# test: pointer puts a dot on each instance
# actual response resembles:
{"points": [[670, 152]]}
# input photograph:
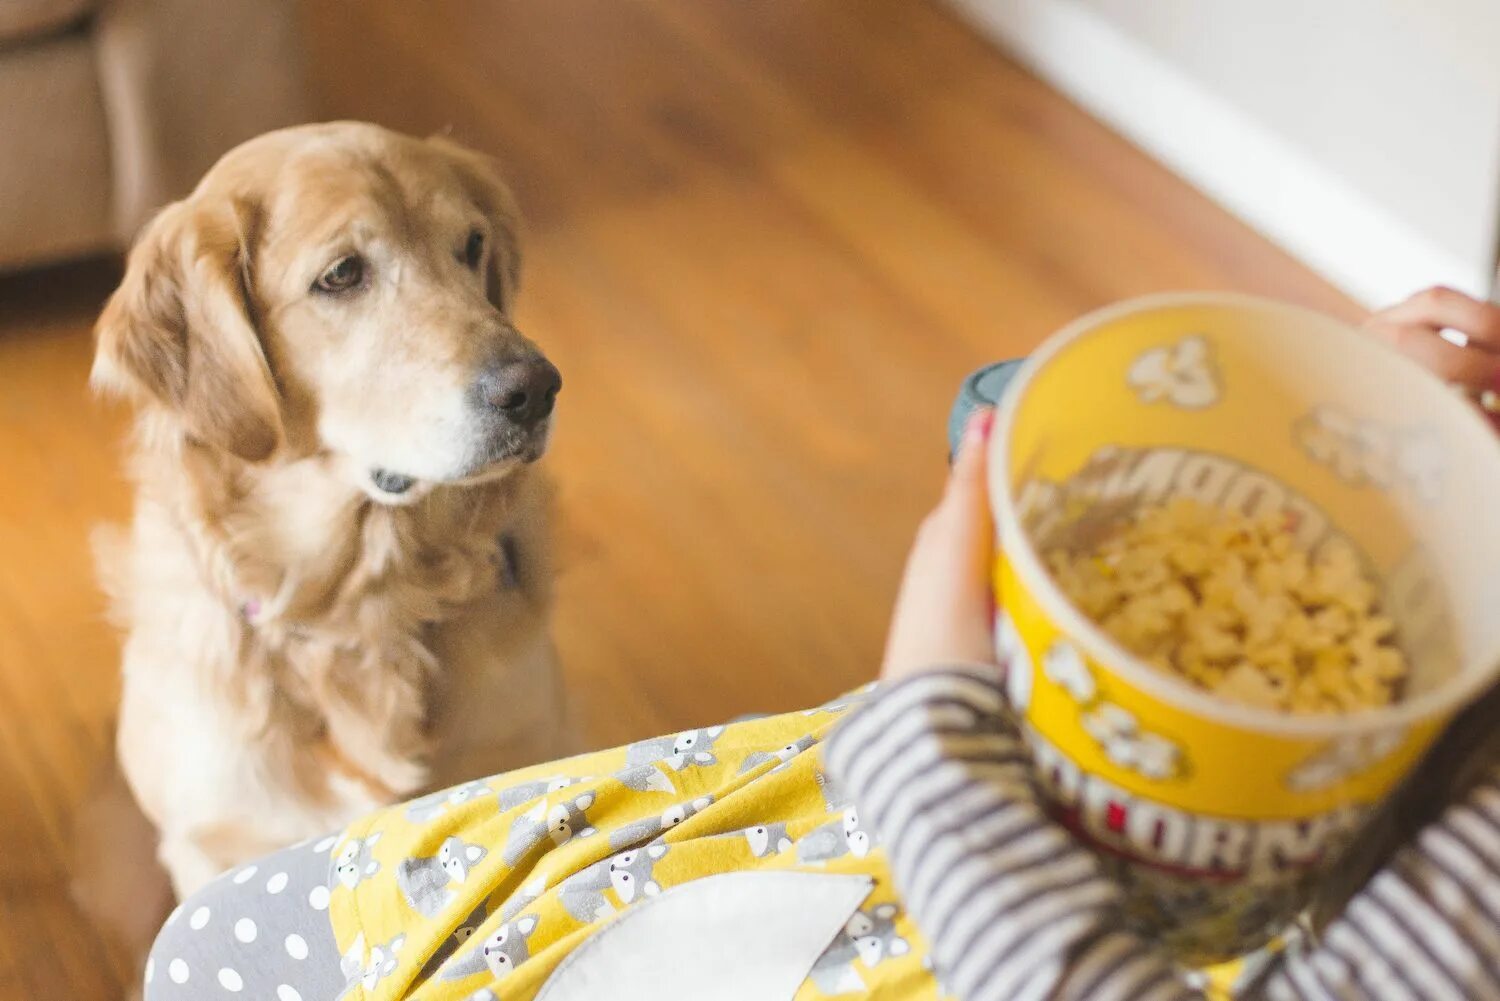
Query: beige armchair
{"points": [[110, 108]]}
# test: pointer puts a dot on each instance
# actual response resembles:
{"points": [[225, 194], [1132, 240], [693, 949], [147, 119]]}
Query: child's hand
{"points": [[1414, 328], [944, 607]]}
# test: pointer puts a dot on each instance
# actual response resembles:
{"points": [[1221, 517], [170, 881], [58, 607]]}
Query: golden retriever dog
{"points": [[335, 587]]}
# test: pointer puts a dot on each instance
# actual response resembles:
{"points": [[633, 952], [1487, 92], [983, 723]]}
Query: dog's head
{"points": [[338, 290]]}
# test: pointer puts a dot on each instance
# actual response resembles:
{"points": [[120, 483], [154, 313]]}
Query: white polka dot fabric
{"points": [[260, 931]]}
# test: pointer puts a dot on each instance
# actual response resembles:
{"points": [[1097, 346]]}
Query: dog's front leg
{"points": [[499, 702], [375, 705]]}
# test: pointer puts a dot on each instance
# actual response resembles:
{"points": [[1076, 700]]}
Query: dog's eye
{"points": [[474, 248], [342, 275]]}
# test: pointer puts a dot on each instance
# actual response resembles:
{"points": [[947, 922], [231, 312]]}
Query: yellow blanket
{"points": [[481, 891]]}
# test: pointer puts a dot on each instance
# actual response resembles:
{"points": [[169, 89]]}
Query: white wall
{"points": [[1371, 128]]}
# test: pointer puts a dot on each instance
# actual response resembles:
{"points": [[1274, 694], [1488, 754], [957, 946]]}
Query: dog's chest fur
{"points": [[334, 606], [347, 623]]}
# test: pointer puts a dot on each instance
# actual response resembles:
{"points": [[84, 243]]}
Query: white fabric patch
{"points": [[738, 936]]}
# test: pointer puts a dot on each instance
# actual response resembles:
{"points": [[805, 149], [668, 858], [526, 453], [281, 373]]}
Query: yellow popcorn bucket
{"points": [[1219, 817]]}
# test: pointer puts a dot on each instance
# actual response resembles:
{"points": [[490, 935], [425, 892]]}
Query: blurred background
{"points": [[766, 241]]}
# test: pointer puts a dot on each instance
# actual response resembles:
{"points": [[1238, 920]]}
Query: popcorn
{"points": [[1233, 606]]}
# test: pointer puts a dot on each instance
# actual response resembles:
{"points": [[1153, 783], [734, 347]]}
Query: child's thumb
{"points": [[966, 479]]}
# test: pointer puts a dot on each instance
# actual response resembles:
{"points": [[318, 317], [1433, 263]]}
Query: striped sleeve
{"points": [[1426, 926], [1012, 906]]}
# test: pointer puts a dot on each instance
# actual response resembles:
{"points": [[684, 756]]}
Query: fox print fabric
{"points": [[488, 889]]}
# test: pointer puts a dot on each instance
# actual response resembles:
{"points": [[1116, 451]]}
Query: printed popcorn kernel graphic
{"points": [[1349, 447], [1419, 462], [1066, 669], [1127, 745], [1181, 374], [1342, 759], [1367, 453], [1013, 655]]}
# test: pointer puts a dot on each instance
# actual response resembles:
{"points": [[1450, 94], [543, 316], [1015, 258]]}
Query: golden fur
{"points": [[302, 646]]}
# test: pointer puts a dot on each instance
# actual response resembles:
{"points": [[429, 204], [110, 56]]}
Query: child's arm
{"points": [[1013, 907]]}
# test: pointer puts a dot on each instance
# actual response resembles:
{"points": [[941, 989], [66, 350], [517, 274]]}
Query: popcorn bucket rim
{"points": [[1099, 646]]}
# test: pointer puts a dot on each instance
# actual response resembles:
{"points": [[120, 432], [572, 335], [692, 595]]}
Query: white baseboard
{"points": [[1349, 239]]}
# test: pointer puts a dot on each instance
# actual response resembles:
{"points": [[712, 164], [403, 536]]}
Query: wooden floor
{"points": [[767, 241]]}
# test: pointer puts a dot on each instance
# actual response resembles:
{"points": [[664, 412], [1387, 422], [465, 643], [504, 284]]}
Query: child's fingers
{"points": [[1439, 307], [964, 513], [969, 502], [942, 608], [1471, 367], [966, 481]]}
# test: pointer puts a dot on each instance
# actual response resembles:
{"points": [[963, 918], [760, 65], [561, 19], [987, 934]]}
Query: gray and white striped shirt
{"points": [[1015, 909]]}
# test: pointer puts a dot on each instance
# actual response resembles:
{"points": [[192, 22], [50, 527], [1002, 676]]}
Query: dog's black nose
{"points": [[523, 391]]}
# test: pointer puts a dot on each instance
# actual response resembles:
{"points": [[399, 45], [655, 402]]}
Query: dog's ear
{"points": [[481, 178], [179, 331]]}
